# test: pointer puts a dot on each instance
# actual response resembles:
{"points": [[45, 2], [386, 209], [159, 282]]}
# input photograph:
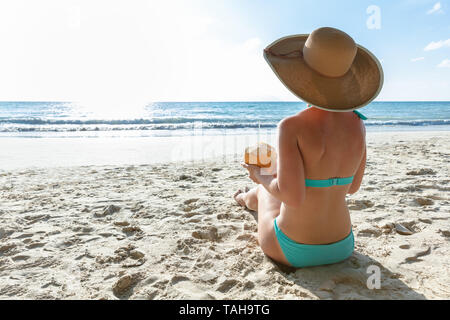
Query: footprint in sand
{"points": [[445, 233], [208, 233], [128, 256], [227, 285], [125, 284], [187, 289], [368, 230], [24, 235], [18, 258], [8, 249], [178, 278], [189, 201], [5, 232], [423, 201], [137, 207], [185, 177], [131, 230], [108, 210], [36, 245], [223, 216], [209, 277], [193, 220], [421, 172], [121, 223], [86, 254], [190, 205], [359, 204], [82, 229], [249, 285], [251, 240], [408, 188], [415, 255], [31, 219], [250, 227], [184, 245]]}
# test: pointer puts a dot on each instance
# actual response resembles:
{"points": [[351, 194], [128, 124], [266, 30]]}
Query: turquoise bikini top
{"points": [[333, 181]]}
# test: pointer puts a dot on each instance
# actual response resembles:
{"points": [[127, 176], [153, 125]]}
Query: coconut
{"points": [[261, 155]]}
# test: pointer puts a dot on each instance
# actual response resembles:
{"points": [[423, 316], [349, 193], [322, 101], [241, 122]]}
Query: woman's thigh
{"points": [[268, 210]]}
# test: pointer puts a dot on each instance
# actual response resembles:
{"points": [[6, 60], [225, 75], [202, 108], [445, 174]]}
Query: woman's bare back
{"points": [[331, 144]]}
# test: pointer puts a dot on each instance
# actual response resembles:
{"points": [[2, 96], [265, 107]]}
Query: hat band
{"points": [[285, 55]]}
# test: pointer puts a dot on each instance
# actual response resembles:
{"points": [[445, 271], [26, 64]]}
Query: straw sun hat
{"points": [[326, 69]]}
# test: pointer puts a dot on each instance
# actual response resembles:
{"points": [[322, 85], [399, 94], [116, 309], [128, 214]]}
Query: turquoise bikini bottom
{"points": [[308, 255]]}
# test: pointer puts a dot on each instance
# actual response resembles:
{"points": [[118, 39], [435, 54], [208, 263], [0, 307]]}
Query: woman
{"points": [[303, 218]]}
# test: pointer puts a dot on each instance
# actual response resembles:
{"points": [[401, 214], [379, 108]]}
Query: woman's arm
{"points": [[357, 179], [289, 185]]}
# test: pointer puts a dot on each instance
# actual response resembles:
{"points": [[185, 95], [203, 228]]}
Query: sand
{"points": [[173, 231]]}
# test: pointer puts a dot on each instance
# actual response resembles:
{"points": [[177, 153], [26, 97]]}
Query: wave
{"points": [[435, 122], [42, 125], [165, 120], [167, 126]]}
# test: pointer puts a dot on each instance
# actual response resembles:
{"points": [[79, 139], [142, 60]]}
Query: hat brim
{"points": [[357, 88]]}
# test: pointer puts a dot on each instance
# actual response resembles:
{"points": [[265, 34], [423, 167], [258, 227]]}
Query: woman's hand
{"points": [[254, 172]]}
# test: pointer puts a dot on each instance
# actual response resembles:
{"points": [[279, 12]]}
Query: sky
{"points": [[203, 50]]}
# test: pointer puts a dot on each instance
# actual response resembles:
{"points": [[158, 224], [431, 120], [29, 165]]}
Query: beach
{"points": [[109, 225]]}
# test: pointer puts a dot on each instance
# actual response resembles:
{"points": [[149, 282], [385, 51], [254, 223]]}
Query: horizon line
{"points": [[217, 101]]}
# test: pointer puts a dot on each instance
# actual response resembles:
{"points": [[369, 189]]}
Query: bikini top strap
{"points": [[360, 115]]}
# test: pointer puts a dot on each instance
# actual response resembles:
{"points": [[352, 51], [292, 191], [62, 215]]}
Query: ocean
{"points": [[67, 119]]}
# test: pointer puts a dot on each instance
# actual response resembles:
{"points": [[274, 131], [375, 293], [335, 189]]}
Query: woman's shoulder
{"points": [[297, 122], [294, 119]]}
